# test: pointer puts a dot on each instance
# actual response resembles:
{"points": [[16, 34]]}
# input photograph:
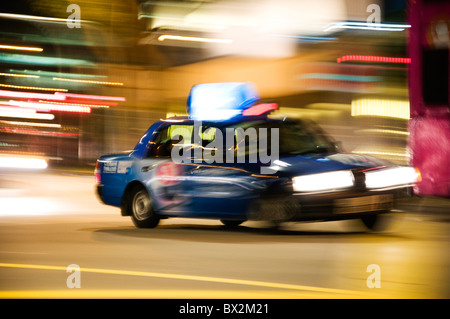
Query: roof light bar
{"points": [[220, 101], [260, 109]]}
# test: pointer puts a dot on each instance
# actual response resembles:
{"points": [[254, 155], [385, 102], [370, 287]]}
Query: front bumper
{"points": [[325, 206]]}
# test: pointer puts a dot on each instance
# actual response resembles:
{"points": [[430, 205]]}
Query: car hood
{"points": [[311, 164]]}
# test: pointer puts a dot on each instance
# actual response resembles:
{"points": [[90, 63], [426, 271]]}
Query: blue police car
{"points": [[230, 160]]}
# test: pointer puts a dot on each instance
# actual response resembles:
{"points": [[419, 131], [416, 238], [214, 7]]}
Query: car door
{"points": [[161, 175], [216, 187]]}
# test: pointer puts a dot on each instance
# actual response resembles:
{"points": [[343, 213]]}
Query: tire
{"points": [[231, 223], [141, 209], [376, 222]]}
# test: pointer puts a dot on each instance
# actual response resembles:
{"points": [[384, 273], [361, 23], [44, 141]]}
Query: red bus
{"points": [[429, 127]]}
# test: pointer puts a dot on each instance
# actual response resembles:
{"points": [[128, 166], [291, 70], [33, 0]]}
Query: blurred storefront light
{"points": [[381, 107]]}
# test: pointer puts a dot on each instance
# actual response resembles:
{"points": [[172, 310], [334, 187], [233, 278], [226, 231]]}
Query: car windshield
{"points": [[294, 137]]}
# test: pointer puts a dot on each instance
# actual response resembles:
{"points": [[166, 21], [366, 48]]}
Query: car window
{"points": [[169, 137], [181, 136], [294, 137], [206, 144]]}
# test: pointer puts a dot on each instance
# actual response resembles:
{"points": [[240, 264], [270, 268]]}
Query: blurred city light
{"points": [[192, 39], [21, 87], [132, 63], [22, 162], [14, 112], [20, 48], [20, 75], [376, 82], [371, 58], [366, 26], [381, 107]]}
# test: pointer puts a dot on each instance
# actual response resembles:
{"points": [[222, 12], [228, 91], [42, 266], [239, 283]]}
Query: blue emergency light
{"points": [[220, 101]]}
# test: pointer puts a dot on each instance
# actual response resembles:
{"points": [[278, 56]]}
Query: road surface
{"points": [[59, 241]]}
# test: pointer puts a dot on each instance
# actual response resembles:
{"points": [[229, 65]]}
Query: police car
{"points": [[231, 160]]}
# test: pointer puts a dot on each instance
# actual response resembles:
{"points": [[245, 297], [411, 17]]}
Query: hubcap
{"points": [[141, 205]]}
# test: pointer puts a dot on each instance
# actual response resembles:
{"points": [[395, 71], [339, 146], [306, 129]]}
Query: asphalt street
{"points": [[59, 241]]}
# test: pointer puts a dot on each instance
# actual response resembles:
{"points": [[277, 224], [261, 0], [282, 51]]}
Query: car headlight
{"points": [[323, 181], [391, 177]]}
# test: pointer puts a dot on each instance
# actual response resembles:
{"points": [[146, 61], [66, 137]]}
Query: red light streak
{"points": [[52, 107], [58, 96], [372, 58], [70, 101], [29, 95]]}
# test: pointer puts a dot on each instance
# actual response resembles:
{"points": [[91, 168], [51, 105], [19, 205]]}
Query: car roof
{"points": [[237, 120]]}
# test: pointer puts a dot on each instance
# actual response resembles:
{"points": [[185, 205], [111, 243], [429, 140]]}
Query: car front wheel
{"points": [[376, 222], [231, 223], [141, 209]]}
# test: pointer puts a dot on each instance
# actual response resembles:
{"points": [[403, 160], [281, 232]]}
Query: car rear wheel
{"points": [[232, 222], [141, 208]]}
